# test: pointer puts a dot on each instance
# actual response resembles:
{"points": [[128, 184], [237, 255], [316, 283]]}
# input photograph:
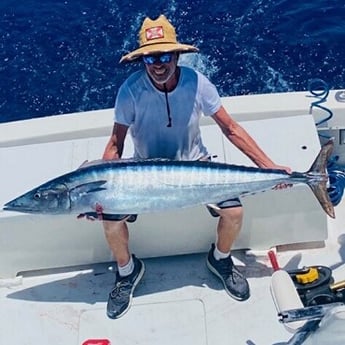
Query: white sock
{"points": [[218, 255], [127, 269]]}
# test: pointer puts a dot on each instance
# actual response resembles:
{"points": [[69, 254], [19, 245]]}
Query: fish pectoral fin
{"points": [[90, 187]]}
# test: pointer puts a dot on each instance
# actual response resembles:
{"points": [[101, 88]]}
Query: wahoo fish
{"points": [[122, 187]]}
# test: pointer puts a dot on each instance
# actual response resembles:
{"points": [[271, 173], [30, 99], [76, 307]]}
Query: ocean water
{"points": [[60, 57]]}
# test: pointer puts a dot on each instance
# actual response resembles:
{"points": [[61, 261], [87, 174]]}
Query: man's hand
{"points": [[282, 185], [98, 215]]}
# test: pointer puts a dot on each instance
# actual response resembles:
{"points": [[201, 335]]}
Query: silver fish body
{"points": [[128, 187]]}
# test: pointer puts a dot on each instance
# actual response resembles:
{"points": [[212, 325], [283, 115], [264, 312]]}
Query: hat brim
{"points": [[158, 48]]}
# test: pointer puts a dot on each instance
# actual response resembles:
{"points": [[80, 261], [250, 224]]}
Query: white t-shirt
{"points": [[143, 108]]}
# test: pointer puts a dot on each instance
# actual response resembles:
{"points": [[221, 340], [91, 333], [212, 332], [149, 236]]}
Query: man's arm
{"points": [[243, 141], [114, 147]]}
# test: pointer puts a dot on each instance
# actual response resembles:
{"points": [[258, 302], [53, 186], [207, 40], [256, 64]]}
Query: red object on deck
{"points": [[273, 259], [97, 342]]}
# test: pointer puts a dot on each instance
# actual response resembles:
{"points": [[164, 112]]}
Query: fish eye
{"points": [[37, 196]]}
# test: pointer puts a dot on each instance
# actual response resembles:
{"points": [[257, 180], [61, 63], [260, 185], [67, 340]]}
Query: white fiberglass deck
{"points": [[178, 301]]}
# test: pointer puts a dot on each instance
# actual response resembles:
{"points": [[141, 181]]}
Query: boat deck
{"points": [[177, 302]]}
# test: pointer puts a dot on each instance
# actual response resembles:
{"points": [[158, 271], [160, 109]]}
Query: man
{"points": [[161, 106]]}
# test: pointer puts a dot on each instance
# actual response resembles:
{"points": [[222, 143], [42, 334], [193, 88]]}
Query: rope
{"points": [[319, 89]]}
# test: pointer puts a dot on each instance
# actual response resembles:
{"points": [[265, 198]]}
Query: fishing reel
{"points": [[315, 286]]}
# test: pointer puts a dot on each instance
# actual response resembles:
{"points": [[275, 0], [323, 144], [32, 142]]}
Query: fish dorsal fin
{"points": [[83, 164], [87, 163]]}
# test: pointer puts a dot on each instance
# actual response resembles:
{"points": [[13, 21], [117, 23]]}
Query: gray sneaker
{"points": [[234, 282], [120, 298]]}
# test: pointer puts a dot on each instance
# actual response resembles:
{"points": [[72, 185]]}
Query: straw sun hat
{"points": [[157, 36]]}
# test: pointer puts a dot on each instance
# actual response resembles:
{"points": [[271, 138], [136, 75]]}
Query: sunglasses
{"points": [[162, 58]]}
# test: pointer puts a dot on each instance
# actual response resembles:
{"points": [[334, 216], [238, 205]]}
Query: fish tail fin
{"points": [[319, 186], [320, 191]]}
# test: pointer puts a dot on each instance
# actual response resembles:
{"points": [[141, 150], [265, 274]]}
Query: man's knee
{"points": [[234, 213], [111, 226]]}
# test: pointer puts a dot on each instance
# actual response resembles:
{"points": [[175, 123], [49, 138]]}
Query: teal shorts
{"points": [[224, 204]]}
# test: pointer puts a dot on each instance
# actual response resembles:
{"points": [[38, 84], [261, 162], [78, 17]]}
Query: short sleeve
{"points": [[124, 111], [208, 96]]}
